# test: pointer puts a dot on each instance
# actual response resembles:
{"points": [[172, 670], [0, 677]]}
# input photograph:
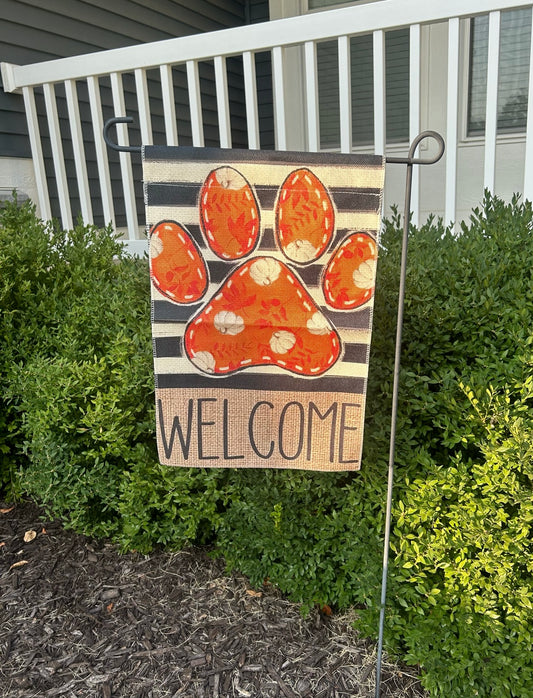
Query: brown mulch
{"points": [[79, 619]]}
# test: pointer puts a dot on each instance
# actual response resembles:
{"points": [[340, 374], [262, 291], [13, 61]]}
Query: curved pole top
{"points": [[411, 160], [111, 144]]}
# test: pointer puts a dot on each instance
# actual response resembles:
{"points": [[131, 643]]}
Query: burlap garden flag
{"points": [[262, 267]]}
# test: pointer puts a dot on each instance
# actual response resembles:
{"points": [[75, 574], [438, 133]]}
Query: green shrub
{"points": [[52, 289], [77, 373], [462, 579], [460, 575], [77, 382], [25, 255], [86, 421], [167, 506]]}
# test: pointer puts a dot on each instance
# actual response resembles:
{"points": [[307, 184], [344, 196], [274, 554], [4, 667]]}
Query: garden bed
{"points": [[79, 619]]}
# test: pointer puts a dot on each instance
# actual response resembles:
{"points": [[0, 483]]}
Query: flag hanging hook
{"points": [[409, 160], [115, 146]]}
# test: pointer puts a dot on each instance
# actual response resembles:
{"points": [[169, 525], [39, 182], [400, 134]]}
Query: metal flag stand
{"points": [[409, 161]]}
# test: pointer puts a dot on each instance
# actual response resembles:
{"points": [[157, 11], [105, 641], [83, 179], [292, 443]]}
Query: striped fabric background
{"points": [[173, 178]]}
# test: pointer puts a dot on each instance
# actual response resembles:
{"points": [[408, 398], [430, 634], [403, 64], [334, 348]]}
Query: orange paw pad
{"points": [[349, 278], [304, 217], [177, 269], [261, 316], [229, 214]]}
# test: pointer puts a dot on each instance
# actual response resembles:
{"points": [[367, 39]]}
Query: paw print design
{"points": [[262, 314]]}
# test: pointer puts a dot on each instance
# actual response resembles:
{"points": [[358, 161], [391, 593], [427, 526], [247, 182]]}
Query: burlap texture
{"points": [[260, 361]]}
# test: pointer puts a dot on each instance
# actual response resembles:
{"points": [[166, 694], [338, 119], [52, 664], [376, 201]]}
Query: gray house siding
{"points": [[32, 33]]}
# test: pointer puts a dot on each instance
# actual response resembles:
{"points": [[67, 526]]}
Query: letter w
{"points": [[176, 428]]}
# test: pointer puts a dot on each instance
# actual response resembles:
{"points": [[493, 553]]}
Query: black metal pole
{"points": [[409, 161]]}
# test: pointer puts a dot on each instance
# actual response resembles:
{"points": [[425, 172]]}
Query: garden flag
{"points": [[262, 268]]}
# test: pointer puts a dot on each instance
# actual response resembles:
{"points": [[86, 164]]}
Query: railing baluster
{"points": [[491, 115], [528, 165], [414, 112], [345, 93], [95, 103], [221, 82], [293, 38], [169, 107], [311, 93], [37, 153], [250, 95], [278, 84], [57, 155], [78, 148], [195, 103], [379, 92], [143, 102], [125, 158], [451, 121]]}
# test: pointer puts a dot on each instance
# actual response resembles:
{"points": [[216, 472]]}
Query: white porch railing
{"points": [[87, 74]]}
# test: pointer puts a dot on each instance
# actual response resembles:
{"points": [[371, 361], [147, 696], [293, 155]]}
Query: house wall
{"points": [[510, 149], [32, 31]]}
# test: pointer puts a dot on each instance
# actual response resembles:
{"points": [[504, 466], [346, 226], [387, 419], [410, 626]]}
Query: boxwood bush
{"points": [[77, 434], [73, 337]]}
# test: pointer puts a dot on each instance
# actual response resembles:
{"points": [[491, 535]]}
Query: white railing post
{"points": [[451, 121], [311, 87], [104, 177], [224, 121], [57, 155], [119, 106], [528, 166], [169, 107], [491, 114], [37, 153], [379, 93], [143, 103], [345, 93], [278, 85], [79, 151], [414, 112], [195, 104], [250, 96]]}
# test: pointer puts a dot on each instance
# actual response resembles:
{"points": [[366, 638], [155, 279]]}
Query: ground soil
{"points": [[79, 619]]}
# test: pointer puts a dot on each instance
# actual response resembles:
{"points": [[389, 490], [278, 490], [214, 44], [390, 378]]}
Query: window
{"points": [[513, 73]]}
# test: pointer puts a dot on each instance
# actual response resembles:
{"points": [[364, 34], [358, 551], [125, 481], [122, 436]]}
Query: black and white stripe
{"points": [[173, 180]]}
